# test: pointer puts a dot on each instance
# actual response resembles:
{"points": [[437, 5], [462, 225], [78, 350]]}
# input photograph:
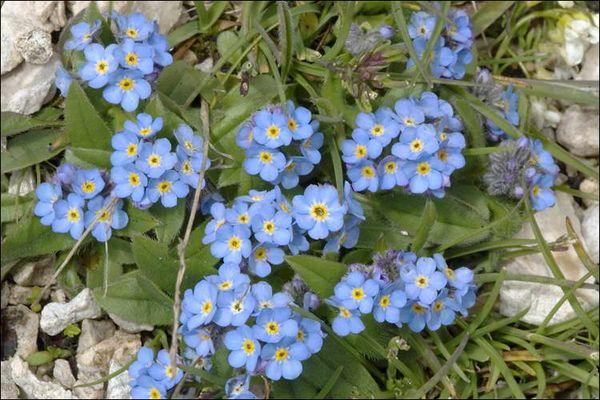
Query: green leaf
{"points": [[427, 221], [134, 298], [198, 258], [140, 222], [13, 123], [15, 207], [39, 358], [488, 12], [119, 253], [31, 148], [182, 83], [71, 331], [169, 221], [208, 16], [182, 33], [286, 37], [84, 126], [154, 262], [319, 274], [88, 158]]}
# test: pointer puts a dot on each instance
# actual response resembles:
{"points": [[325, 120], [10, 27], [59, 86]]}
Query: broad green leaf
{"points": [[208, 16], [169, 221], [16, 207], [13, 123], [427, 221], [182, 33], [31, 148], [154, 262], [199, 260], [230, 176], [134, 298], [226, 41], [119, 253], [39, 358], [84, 126], [568, 91], [286, 38], [140, 222], [488, 12], [319, 274], [88, 158], [182, 83]]}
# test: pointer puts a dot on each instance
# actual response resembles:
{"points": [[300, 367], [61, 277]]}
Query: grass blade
{"points": [[427, 220]]}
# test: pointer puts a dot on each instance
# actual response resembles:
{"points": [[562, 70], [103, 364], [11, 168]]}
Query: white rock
{"points": [[58, 296], [33, 387], [589, 185], [206, 65], [9, 56], [8, 389], [36, 273], [118, 387], [578, 131], [62, 373], [516, 296], [130, 326], [589, 70], [589, 231], [21, 182], [26, 88], [23, 323], [35, 46], [22, 295], [93, 332], [57, 316], [167, 13], [47, 15]]}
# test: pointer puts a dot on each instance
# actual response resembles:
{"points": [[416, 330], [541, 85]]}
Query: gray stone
{"points": [[21, 182], [22, 295], [23, 323], [36, 273], [93, 332], [589, 70], [47, 15], [57, 316], [589, 231], [589, 185], [516, 296], [32, 386], [8, 389], [206, 65], [130, 326], [26, 88], [4, 295], [578, 131], [62, 373], [10, 57], [35, 46]]}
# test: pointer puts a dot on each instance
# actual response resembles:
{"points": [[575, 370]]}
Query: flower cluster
{"points": [[452, 51], [152, 378], [146, 170], [400, 288], [256, 325], [124, 68], [77, 198], [523, 166], [257, 227], [507, 105], [427, 151], [281, 144], [361, 41]]}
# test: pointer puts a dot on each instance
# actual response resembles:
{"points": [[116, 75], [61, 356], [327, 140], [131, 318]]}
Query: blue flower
{"points": [[353, 206], [421, 25], [99, 66], [364, 176], [144, 360], [284, 359], [347, 321], [129, 181], [379, 127], [230, 279], [245, 136], [270, 226], [239, 214], [386, 31], [459, 29], [232, 243], [463, 303], [408, 113], [360, 148], [417, 142], [271, 128], [168, 188], [264, 162], [87, 183], [356, 292], [69, 216], [244, 347], [200, 304], [293, 170], [347, 237], [460, 279], [238, 387], [299, 243], [200, 340], [137, 56], [442, 312], [542, 158], [127, 88], [147, 388], [217, 211], [310, 148], [145, 127], [160, 46], [390, 173], [134, 26], [156, 158], [298, 122], [415, 315], [424, 175], [188, 171], [463, 57], [274, 324], [82, 35], [114, 217], [433, 107], [207, 201], [388, 304], [165, 372], [281, 202], [309, 334], [508, 105], [47, 194], [63, 80], [423, 281], [127, 146], [258, 198], [234, 308], [262, 257], [190, 144], [541, 194], [263, 293], [319, 211], [64, 175]]}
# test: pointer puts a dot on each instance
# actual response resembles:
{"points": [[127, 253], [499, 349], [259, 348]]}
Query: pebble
{"points": [[23, 323], [130, 326], [590, 69], [57, 316], [589, 185], [589, 231], [578, 131], [35, 46], [8, 389], [93, 332], [32, 386], [21, 182], [36, 273], [22, 295], [62, 373], [4, 295], [118, 387]]}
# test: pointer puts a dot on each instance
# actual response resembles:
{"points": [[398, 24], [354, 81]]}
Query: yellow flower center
{"points": [[284, 207], [243, 218], [131, 32], [360, 151], [377, 130], [423, 168], [265, 304], [290, 166], [421, 281], [164, 186], [300, 335], [319, 212], [416, 146], [307, 143], [443, 155], [272, 328], [234, 243], [248, 346], [390, 167], [344, 312], [449, 273], [281, 354], [260, 254], [225, 285], [269, 227], [126, 84], [154, 394], [131, 58], [422, 30], [207, 306], [73, 215], [418, 309], [292, 125], [188, 145], [101, 67], [265, 157], [367, 172], [257, 198], [536, 190], [409, 121], [443, 136], [134, 179], [88, 186], [186, 167], [154, 160], [358, 294], [131, 149], [103, 215], [384, 302], [170, 371], [438, 306], [145, 131], [237, 307], [86, 37], [273, 132]]}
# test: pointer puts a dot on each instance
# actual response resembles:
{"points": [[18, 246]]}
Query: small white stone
{"points": [[589, 185], [8, 389], [578, 131], [130, 326], [21, 182], [23, 323], [57, 316], [206, 65], [589, 70], [35, 46], [118, 387], [62, 373], [33, 387], [589, 231], [93, 332], [36, 273]]}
